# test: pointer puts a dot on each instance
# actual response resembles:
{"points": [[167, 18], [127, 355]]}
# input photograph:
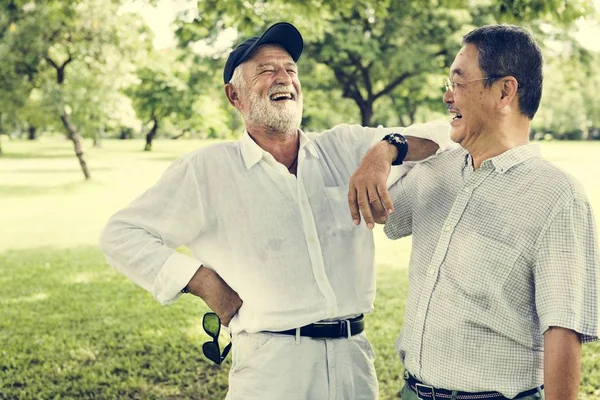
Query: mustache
{"points": [[449, 108]]}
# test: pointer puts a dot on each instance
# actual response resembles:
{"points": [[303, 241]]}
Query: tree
{"points": [[59, 39], [374, 47], [160, 93]]}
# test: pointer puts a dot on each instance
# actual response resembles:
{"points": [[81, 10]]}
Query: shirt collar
{"points": [[505, 161], [252, 153]]}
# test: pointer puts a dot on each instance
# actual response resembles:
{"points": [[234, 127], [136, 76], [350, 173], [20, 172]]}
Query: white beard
{"points": [[281, 116]]}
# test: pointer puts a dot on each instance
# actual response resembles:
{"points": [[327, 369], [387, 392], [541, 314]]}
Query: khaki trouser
{"points": [[269, 366], [408, 394]]}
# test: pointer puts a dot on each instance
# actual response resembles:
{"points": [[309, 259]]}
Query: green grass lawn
{"points": [[71, 327]]}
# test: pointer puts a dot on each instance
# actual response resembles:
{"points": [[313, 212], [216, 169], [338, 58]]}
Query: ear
{"points": [[508, 90], [232, 95]]}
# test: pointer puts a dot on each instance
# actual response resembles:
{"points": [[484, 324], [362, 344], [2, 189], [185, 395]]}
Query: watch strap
{"points": [[399, 141]]}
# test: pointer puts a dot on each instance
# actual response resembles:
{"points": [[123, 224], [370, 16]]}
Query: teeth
{"points": [[278, 96]]}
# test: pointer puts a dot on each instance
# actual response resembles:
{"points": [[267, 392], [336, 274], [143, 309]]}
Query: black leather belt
{"points": [[331, 330], [427, 392]]}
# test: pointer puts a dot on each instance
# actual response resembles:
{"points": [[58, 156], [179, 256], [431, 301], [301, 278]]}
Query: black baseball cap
{"points": [[281, 33]]}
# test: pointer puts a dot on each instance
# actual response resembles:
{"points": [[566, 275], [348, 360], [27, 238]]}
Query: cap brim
{"points": [[282, 33]]}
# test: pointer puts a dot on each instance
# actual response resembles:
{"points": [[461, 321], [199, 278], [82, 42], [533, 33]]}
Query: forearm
{"points": [[418, 149], [216, 293], [562, 364]]}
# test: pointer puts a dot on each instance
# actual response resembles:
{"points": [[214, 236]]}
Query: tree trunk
{"points": [[1, 129], [366, 113], [180, 135], [74, 135], [31, 132], [150, 135], [72, 132], [1, 153], [98, 136]]}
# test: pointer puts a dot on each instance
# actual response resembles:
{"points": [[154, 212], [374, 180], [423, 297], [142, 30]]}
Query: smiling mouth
{"points": [[457, 115], [282, 96]]}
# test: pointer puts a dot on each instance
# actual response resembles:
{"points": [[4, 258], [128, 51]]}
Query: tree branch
{"points": [[392, 85], [364, 72], [51, 62]]}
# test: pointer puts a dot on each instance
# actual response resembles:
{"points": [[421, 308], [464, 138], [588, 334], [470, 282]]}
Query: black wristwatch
{"points": [[401, 144]]}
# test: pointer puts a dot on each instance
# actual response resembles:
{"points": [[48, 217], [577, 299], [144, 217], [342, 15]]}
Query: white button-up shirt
{"points": [[286, 244]]}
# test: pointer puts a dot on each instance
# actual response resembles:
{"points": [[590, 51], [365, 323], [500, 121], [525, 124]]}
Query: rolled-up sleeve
{"points": [[140, 240], [567, 270]]}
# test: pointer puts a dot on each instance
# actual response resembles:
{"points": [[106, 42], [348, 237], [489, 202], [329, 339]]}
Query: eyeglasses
{"points": [[212, 326], [450, 85]]}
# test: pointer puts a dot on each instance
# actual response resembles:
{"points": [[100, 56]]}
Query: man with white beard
{"points": [[266, 219]]}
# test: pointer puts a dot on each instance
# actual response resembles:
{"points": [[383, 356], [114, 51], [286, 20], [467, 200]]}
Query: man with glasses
{"points": [[274, 254], [504, 271]]}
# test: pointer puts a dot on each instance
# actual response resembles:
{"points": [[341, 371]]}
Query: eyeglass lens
{"points": [[212, 325]]}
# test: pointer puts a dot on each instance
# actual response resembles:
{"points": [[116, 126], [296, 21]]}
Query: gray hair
{"points": [[237, 79]]}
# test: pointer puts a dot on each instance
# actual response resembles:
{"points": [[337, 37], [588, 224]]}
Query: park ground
{"points": [[72, 327]]}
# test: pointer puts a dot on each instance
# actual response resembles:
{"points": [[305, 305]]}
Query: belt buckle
{"points": [[425, 386], [345, 330]]}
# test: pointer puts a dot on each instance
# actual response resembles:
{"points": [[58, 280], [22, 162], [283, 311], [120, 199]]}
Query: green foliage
{"points": [[160, 93], [377, 49], [365, 61], [68, 57], [570, 102]]}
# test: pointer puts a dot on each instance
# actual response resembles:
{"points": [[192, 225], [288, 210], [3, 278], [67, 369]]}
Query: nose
{"points": [[448, 97], [282, 77]]}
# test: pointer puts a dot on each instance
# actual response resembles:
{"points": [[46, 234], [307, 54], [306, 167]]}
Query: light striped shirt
{"points": [[286, 244], [499, 254]]}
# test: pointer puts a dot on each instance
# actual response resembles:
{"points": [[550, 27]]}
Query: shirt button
{"points": [[431, 271], [447, 228]]}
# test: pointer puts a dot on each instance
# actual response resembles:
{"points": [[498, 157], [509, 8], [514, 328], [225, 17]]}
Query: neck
{"points": [[283, 146], [491, 143]]}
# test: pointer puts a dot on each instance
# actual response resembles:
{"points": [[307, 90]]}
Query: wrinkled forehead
{"points": [[466, 62]]}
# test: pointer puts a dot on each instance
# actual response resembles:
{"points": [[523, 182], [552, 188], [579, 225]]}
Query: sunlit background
{"points": [[98, 97]]}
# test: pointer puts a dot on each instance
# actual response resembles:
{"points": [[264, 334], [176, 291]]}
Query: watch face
{"points": [[397, 138]]}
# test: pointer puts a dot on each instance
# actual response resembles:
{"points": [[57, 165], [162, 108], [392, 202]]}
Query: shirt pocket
{"points": [[338, 202], [480, 266]]}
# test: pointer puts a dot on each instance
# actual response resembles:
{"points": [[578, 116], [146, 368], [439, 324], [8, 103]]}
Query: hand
{"points": [[217, 294], [368, 186]]}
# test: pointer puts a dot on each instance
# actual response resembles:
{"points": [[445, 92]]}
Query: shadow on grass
{"points": [[164, 158], [75, 170], [33, 190], [24, 156]]}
